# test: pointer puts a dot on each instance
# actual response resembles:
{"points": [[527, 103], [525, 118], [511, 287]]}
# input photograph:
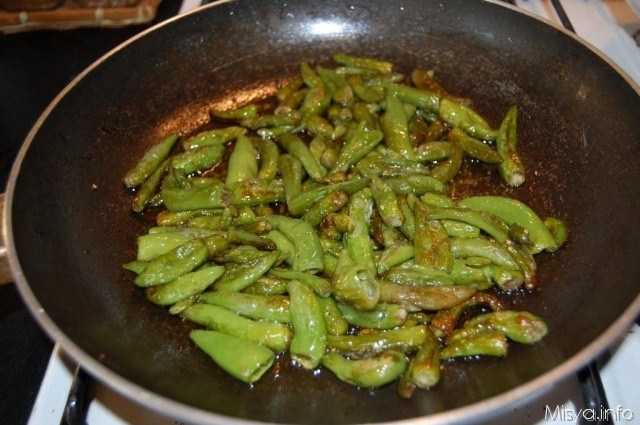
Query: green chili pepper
{"points": [[487, 222], [333, 202], [247, 238], [345, 97], [331, 79], [316, 100], [460, 229], [506, 279], [333, 318], [518, 326], [242, 275], [317, 125], [238, 254], [386, 202], [254, 192], [364, 62], [267, 285], [446, 320], [283, 244], [459, 115], [243, 162], [408, 227], [424, 297], [275, 132], [301, 203], [149, 187], [358, 143], [297, 148], [218, 222], [362, 113], [339, 223], [283, 121], [382, 316], [449, 168], [275, 336], [394, 256], [309, 329], [395, 126], [292, 175], [434, 151], [216, 243], [307, 248], [255, 227], [135, 266], [273, 308], [511, 168], [218, 136], [482, 247], [201, 196], [423, 99], [244, 360], [387, 163], [180, 306], [269, 155], [294, 98], [423, 370], [436, 200], [558, 229], [330, 153], [238, 113], [463, 274], [376, 342], [384, 235], [149, 162], [367, 373], [291, 87], [418, 275], [370, 93], [355, 284], [419, 129], [173, 264], [319, 285], [512, 211], [358, 242], [309, 75], [417, 185], [431, 241], [198, 159], [184, 286], [171, 218], [480, 344], [474, 148], [425, 80]]}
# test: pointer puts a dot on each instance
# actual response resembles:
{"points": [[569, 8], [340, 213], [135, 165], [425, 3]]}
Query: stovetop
{"points": [[609, 25]]}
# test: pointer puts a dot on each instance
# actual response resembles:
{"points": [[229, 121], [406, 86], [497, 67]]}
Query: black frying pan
{"points": [[69, 226]]}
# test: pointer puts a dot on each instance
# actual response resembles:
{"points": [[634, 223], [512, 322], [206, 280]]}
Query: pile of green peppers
{"points": [[325, 228]]}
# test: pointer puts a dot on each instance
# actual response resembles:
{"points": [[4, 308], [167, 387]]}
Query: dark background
{"points": [[34, 68]]}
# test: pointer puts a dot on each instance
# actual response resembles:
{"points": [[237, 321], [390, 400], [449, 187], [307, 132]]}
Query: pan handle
{"points": [[5, 271]]}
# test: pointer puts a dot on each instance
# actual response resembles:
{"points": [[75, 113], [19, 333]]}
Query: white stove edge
{"points": [[593, 22]]}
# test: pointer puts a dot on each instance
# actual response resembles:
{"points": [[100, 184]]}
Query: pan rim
{"points": [[486, 408]]}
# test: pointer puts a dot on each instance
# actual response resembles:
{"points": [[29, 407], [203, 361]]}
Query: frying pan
{"points": [[69, 226]]}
